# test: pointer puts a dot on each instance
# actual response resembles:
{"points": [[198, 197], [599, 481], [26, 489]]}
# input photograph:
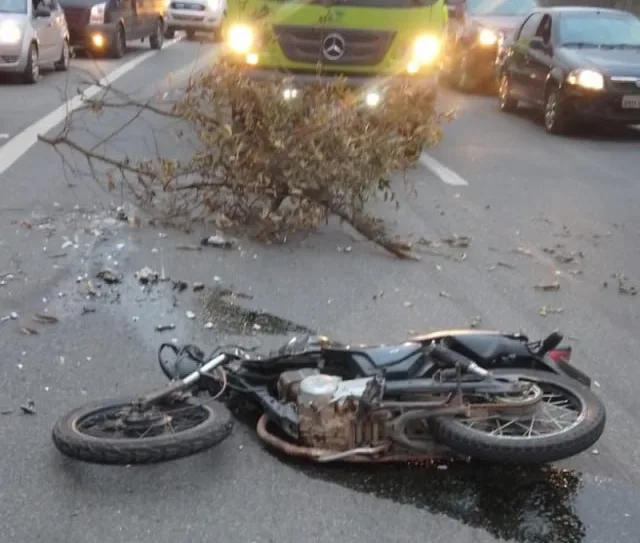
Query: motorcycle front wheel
{"points": [[110, 432], [569, 419]]}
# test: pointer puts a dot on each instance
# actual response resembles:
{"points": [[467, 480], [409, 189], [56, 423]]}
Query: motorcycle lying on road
{"points": [[487, 395]]}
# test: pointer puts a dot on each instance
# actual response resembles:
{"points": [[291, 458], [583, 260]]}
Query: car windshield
{"points": [[599, 30], [13, 6], [501, 7]]}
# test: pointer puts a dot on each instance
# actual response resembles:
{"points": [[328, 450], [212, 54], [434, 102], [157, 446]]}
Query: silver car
{"points": [[33, 33], [195, 16]]}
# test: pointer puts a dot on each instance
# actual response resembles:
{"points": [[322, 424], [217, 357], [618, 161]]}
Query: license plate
{"points": [[189, 17], [631, 101]]}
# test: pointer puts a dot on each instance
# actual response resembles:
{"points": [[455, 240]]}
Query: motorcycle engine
{"points": [[326, 407]]}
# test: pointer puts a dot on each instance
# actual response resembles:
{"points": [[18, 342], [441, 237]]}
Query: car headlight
{"points": [[96, 16], [240, 38], [487, 37], [587, 79], [10, 32], [426, 49]]}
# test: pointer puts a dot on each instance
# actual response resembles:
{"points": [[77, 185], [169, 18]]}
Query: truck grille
{"points": [[362, 47], [187, 5]]}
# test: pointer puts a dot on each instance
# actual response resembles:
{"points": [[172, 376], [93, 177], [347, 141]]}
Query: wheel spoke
{"points": [[556, 413]]}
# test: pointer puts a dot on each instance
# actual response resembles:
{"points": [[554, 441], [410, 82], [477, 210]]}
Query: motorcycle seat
{"points": [[400, 361]]}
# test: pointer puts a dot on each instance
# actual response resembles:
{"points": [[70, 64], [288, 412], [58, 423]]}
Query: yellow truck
{"points": [[366, 41]]}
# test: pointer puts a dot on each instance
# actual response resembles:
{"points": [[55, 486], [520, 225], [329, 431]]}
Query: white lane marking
{"points": [[11, 151], [445, 174]]}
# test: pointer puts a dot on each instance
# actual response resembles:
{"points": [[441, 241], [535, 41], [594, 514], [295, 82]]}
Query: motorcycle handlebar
{"points": [[454, 359]]}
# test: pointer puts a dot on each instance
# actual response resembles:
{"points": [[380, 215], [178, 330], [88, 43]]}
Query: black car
{"points": [[575, 63], [475, 31]]}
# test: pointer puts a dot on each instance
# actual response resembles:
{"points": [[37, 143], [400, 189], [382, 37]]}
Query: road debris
{"points": [[45, 319], [197, 286], [190, 315], [108, 276], [147, 276], [547, 287], [408, 304], [444, 294], [29, 408], [568, 258], [179, 285], [457, 241], [165, 327], [475, 321], [623, 286], [544, 310], [217, 241], [343, 249], [188, 247], [522, 251]]}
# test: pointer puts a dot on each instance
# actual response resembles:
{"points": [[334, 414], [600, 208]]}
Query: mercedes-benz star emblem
{"points": [[333, 47]]}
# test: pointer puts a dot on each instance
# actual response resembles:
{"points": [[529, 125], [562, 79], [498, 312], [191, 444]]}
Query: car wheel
{"points": [[507, 103], [32, 69], [119, 44], [169, 33], [555, 121], [63, 64], [157, 38]]}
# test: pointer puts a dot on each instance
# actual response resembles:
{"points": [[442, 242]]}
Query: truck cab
{"points": [[362, 40]]}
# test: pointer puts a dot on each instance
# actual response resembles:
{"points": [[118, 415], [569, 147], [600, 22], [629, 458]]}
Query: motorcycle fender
{"points": [[567, 369]]}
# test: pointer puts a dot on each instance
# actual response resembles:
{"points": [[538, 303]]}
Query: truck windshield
{"points": [[501, 7], [13, 6]]}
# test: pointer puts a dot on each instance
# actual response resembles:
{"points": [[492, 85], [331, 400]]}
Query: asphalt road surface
{"points": [[523, 197]]}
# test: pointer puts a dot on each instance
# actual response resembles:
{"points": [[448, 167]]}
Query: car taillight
{"points": [[560, 354]]}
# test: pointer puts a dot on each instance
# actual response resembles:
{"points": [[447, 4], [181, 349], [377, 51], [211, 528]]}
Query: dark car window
{"points": [[501, 7], [528, 29], [599, 29], [13, 6], [544, 29]]}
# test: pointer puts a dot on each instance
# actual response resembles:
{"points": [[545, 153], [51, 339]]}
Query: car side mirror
{"points": [[42, 12]]}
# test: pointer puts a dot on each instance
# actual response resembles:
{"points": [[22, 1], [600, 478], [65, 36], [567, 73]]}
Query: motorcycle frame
{"points": [[285, 414]]}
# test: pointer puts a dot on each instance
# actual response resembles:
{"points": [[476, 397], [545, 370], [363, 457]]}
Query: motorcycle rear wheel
{"points": [[457, 434], [212, 425]]}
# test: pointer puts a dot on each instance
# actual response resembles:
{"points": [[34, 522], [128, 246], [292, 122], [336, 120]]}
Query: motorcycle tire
{"points": [[216, 425], [468, 441]]}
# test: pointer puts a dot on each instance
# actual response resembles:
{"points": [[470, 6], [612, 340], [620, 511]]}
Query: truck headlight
{"points": [[426, 49], [587, 79], [240, 38], [487, 37], [10, 32]]}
